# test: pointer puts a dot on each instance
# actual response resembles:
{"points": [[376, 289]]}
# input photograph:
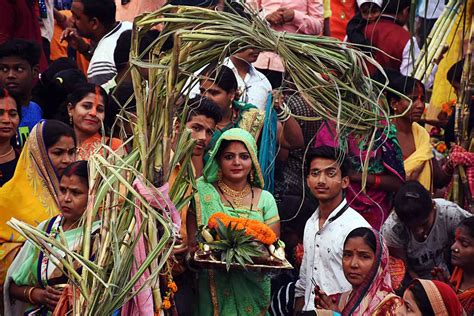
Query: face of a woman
{"points": [[9, 118], [88, 114], [417, 108], [410, 303], [62, 153], [462, 251], [357, 260], [73, 193], [216, 94], [235, 162]]}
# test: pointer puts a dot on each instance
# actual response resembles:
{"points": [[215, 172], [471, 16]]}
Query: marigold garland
{"points": [[254, 228]]}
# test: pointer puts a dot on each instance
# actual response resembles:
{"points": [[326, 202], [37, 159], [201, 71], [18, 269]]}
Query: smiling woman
{"points": [[86, 107]]}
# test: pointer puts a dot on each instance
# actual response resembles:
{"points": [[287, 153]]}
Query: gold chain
{"points": [[237, 196]]}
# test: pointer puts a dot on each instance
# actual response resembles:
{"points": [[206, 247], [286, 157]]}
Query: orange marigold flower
{"points": [[166, 304], [173, 287], [441, 147], [252, 227]]}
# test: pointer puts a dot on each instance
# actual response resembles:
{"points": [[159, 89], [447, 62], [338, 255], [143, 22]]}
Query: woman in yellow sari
{"points": [[32, 194], [414, 139]]}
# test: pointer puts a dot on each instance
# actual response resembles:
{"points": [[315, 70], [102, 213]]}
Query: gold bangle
{"points": [[31, 289], [24, 293]]}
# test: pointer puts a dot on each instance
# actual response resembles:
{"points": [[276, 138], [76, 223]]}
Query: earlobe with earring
{"points": [[70, 119], [219, 174], [252, 178]]}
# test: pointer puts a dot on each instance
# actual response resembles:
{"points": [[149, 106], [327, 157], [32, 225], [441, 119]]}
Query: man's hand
{"points": [[287, 14], [75, 41], [275, 18]]}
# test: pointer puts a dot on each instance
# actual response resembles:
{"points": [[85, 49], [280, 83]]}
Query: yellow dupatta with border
{"points": [[422, 156], [31, 195]]}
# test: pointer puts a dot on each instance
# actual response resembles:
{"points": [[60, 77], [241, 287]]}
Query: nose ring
{"points": [[456, 250]]}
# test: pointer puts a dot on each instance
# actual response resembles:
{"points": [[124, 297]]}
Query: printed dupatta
{"points": [[376, 287], [32, 194]]}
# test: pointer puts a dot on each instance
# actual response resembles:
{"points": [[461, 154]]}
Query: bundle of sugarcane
{"points": [[436, 41], [460, 191], [328, 74]]}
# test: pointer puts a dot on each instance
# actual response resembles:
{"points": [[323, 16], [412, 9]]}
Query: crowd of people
{"points": [[365, 225]]}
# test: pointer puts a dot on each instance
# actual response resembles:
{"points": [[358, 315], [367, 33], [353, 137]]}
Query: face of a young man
{"points": [[325, 179], [17, 76], [202, 128], [80, 21]]}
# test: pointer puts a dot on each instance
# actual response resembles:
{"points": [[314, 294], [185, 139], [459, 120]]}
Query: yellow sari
{"points": [[421, 157], [30, 196]]}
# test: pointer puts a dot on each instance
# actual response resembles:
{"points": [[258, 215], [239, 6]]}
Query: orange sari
{"points": [[466, 297]]}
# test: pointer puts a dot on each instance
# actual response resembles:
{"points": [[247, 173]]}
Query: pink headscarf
{"points": [[377, 285]]}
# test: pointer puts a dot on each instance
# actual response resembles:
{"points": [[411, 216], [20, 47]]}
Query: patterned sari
{"points": [[30, 196], [375, 295], [33, 268], [235, 292], [466, 297], [94, 143]]}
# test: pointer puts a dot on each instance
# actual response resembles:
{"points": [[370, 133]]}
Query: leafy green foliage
{"points": [[234, 245]]}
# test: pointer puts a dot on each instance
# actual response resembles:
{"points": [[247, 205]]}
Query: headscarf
{"points": [[211, 170], [32, 194], [422, 155], [376, 287], [443, 299]]}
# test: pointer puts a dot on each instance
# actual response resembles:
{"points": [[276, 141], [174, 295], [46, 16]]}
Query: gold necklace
{"points": [[8, 153], [237, 196]]}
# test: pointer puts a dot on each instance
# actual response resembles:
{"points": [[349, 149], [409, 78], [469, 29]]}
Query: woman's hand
{"points": [[322, 301], [48, 297]]}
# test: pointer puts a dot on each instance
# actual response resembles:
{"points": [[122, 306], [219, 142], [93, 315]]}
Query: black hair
{"points": [[53, 130], [122, 50], [455, 72], [394, 7], [221, 75], [402, 84], [77, 168], [412, 202], [468, 223], [328, 153], [367, 234], [102, 10], [421, 299], [203, 106], [83, 90], [23, 49]]}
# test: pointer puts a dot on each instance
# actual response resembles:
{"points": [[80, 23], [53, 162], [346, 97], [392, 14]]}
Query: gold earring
{"points": [[219, 175], [70, 118], [251, 177]]}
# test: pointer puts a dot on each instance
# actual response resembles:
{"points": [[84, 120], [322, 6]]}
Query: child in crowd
{"points": [[19, 68]]}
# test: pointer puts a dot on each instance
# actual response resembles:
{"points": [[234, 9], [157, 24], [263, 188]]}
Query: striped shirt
{"points": [[102, 65]]}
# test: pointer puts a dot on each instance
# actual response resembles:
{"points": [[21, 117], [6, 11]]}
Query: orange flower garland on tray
{"points": [[252, 227]]}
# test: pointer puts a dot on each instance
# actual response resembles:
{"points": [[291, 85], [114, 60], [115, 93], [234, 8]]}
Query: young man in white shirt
{"points": [[326, 230]]}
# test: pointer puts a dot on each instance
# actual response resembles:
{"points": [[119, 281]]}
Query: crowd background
{"points": [[403, 245]]}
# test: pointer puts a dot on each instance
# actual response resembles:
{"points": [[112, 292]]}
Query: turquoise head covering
{"points": [[211, 169]]}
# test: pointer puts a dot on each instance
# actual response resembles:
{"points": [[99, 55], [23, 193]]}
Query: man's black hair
{"points": [[328, 152], [102, 10], [412, 202], [27, 50], [393, 7], [203, 106]]}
